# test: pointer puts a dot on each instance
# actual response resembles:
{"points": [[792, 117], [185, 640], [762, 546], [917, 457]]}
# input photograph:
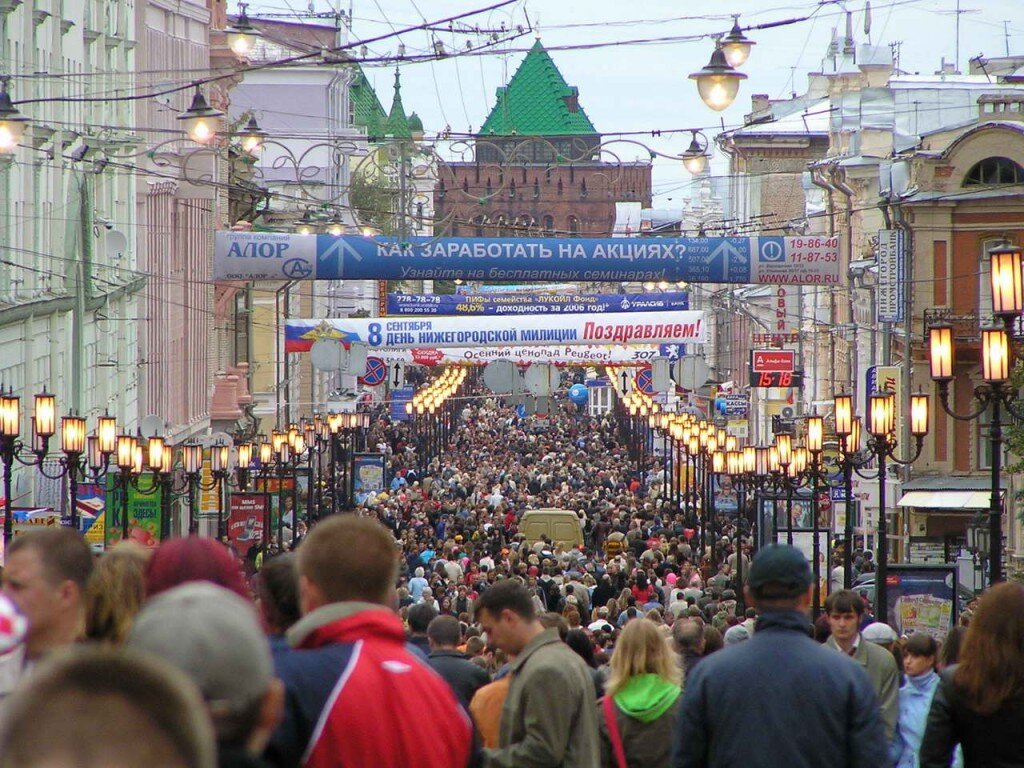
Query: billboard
{"points": [[533, 304], [413, 333], [247, 514], [287, 256], [921, 598], [368, 475], [145, 515]]}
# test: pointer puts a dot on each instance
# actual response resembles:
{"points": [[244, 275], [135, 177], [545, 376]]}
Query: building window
{"points": [[549, 225], [480, 221], [574, 226], [994, 170]]}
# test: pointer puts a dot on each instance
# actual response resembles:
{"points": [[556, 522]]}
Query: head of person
{"points": [[991, 670], [419, 618], [642, 649], [214, 637], [507, 616], [780, 579], [193, 558], [880, 634], [920, 654], [277, 588], [552, 620], [45, 575], [578, 640], [688, 635], [444, 633], [99, 707], [346, 558], [844, 610], [735, 635], [115, 592], [951, 647]]}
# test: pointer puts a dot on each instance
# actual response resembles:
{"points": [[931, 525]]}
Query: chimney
{"points": [[947, 68], [848, 45]]}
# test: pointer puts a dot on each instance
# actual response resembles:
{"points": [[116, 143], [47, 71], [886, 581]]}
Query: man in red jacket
{"points": [[355, 694]]}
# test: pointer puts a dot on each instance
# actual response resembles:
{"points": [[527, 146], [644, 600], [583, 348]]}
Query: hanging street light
{"points": [[252, 137], [12, 122], [718, 83], [735, 45], [695, 158], [242, 35], [200, 120]]}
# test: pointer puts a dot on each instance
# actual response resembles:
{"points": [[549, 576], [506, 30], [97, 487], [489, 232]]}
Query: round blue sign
{"points": [[578, 394]]}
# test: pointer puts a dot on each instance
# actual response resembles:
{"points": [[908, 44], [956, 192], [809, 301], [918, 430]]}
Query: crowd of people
{"points": [[425, 629]]}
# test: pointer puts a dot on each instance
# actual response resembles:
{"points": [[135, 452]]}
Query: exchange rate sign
{"points": [[281, 256]]}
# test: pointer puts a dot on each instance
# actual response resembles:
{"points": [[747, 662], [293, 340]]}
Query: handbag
{"points": [[614, 736]]}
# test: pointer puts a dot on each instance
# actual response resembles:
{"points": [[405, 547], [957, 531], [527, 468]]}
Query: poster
{"points": [[922, 598], [25, 520], [533, 304], [368, 475], [682, 326], [278, 491], [145, 516], [801, 513], [92, 514], [247, 513], [812, 260]]}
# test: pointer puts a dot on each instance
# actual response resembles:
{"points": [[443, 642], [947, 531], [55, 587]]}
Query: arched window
{"points": [[994, 170], [574, 226], [502, 228], [479, 222], [549, 225]]}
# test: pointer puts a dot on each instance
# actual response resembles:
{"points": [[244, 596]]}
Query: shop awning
{"points": [[960, 499]]}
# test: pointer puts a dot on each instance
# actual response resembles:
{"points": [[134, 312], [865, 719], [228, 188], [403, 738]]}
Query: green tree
{"points": [[375, 200]]}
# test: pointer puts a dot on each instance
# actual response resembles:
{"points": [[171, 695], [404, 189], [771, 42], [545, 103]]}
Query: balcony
{"points": [[967, 326]]}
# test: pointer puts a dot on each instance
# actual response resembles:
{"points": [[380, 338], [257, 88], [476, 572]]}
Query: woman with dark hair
{"points": [[950, 651], [578, 640], [919, 656], [979, 703], [193, 558]]}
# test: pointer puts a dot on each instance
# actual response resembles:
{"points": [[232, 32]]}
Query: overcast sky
{"points": [[644, 86]]}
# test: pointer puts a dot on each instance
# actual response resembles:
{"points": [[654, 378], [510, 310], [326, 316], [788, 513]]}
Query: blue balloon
{"points": [[579, 394]]}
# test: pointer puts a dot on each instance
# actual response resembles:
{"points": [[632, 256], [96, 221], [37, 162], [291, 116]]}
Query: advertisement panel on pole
{"points": [[247, 513], [91, 506], [685, 326], [368, 475], [533, 304], [285, 256], [399, 397], [922, 598], [144, 512], [889, 306]]}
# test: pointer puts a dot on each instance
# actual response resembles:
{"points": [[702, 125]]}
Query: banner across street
{"points": [[281, 256], [527, 304]]}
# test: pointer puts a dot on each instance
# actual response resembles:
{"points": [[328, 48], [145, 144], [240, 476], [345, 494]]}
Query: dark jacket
{"points": [[779, 699], [992, 741], [646, 730], [353, 688], [464, 677]]}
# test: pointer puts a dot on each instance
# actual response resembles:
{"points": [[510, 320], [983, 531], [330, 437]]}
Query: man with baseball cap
{"points": [[213, 636], [813, 709]]}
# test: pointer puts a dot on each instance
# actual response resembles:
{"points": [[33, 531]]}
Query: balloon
{"points": [[578, 394]]}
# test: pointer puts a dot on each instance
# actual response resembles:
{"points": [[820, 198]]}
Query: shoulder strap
{"points": [[608, 706]]}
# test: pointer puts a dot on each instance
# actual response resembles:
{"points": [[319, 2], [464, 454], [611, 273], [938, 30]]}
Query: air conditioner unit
{"points": [[788, 412]]}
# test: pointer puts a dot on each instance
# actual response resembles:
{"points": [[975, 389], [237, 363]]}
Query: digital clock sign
{"points": [[766, 379]]}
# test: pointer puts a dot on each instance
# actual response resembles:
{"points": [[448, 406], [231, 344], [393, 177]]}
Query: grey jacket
{"points": [[885, 678], [550, 715]]}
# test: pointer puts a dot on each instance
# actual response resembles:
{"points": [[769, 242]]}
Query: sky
{"points": [[643, 86]]}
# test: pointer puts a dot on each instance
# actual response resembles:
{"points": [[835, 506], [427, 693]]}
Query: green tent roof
{"points": [[367, 111], [537, 102], [397, 125]]}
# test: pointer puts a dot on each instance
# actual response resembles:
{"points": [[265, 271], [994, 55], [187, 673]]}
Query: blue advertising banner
{"points": [[399, 397], [285, 256], [534, 304], [367, 475]]}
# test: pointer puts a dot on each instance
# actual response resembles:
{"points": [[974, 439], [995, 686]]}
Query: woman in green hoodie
{"points": [[638, 711]]}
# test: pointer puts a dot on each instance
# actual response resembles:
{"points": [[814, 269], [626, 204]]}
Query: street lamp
{"points": [[242, 35], [200, 120], [718, 82], [252, 136], [12, 122], [735, 45], [695, 158], [882, 443]]}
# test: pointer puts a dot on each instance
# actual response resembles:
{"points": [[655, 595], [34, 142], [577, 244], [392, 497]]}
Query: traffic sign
{"points": [[376, 372], [772, 360], [645, 381]]}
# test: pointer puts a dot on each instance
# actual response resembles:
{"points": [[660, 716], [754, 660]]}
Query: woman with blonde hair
{"points": [[115, 593], [637, 716]]}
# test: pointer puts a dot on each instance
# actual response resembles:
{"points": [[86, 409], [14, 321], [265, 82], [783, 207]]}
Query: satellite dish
{"points": [[692, 373], [500, 377], [325, 354], [117, 244], [151, 426]]}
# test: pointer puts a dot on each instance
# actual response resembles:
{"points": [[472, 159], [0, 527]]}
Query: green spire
{"points": [[367, 111], [397, 125], [537, 102]]}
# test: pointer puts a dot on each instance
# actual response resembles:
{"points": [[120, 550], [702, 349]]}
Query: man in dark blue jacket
{"points": [[779, 699]]}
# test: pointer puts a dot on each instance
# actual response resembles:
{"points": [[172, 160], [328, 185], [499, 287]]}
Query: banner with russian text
{"points": [[286, 256], [683, 327], [557, 355], [420, 305]]}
